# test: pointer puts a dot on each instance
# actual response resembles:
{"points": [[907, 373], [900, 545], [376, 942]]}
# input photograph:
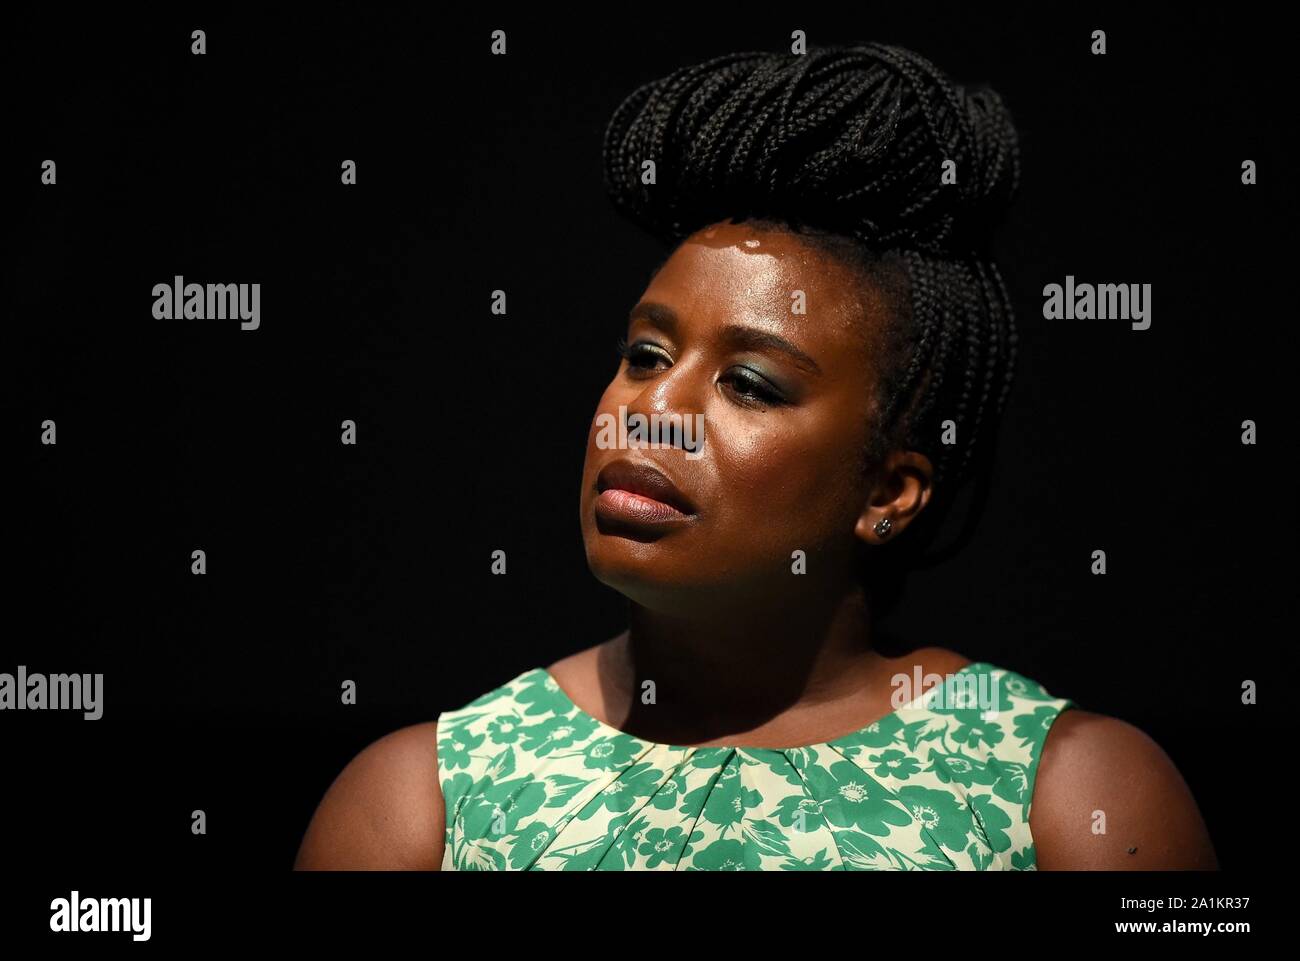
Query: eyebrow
{"points": [[736, 335]]}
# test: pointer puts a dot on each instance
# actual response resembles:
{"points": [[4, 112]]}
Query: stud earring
{"points": [[882, 526]]}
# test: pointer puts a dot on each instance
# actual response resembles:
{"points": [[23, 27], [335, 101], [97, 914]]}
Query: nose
{"points": [[669, 409]]}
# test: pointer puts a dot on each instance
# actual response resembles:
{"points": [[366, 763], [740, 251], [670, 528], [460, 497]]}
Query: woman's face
{"points": [[784, 399]]}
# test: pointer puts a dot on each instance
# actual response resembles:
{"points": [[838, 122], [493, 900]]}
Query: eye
{"points": [[753, 389], [748, 387], [642, 355]]}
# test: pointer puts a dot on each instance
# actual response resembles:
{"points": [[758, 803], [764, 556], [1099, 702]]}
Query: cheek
{"points": [[798, 474]]}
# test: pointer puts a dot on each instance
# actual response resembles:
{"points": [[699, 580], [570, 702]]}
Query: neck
{"points": [[719, 674]]}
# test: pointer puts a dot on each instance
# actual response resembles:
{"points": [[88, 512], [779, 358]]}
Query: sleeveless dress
{"points": [[531, 782]]}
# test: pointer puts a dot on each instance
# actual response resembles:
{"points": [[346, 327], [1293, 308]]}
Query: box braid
{"points": [[845, 145]]}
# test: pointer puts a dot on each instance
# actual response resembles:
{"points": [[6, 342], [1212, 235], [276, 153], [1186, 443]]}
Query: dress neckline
{"points": [[842, 740]]}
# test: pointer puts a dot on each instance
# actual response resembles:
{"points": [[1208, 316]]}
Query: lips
{"points": [[643, 480]]}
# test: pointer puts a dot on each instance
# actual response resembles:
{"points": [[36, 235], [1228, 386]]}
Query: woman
{"points": [[829, 315]]}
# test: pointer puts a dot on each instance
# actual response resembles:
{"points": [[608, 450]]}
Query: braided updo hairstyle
{"points": [[846, 146]]}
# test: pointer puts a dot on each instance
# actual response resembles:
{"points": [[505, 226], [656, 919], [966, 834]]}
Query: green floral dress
{"points": [[532, 782]]}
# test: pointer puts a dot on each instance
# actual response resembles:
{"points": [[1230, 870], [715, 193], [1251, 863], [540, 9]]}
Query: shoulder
{"points": [[586, 660], [579, 673], [931, 660], [384, 811], [1108, 797], [942, 660]]}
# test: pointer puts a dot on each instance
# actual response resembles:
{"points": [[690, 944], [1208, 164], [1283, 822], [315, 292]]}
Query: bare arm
{"points": [[384, 812], [1093, 763]]}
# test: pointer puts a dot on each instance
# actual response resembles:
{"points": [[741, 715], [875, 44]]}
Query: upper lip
{"points": [[639, 477]]}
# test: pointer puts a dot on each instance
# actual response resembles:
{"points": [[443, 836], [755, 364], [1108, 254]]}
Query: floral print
{"points": [[531, 782]]}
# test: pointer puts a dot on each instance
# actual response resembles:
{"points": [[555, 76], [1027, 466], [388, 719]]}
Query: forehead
{"points": [[743, 273]]}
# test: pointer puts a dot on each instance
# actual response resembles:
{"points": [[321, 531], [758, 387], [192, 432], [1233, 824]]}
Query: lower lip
{"points": [[621, 505]]}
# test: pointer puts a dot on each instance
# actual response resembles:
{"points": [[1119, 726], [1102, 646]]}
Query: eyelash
{"points": [[762, 396]]}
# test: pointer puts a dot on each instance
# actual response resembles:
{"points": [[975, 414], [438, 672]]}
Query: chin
{"points": [[641, 572], [663, 580]]}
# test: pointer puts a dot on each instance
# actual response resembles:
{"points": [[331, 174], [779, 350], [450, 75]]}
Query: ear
{"points": [[903, 487]]}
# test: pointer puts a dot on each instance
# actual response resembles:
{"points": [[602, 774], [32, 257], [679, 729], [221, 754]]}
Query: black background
{"points": [[475, 172]]}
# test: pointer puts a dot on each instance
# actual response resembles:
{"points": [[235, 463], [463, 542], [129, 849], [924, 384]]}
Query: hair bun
{"points": [[851, 139], [993, 171]]}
